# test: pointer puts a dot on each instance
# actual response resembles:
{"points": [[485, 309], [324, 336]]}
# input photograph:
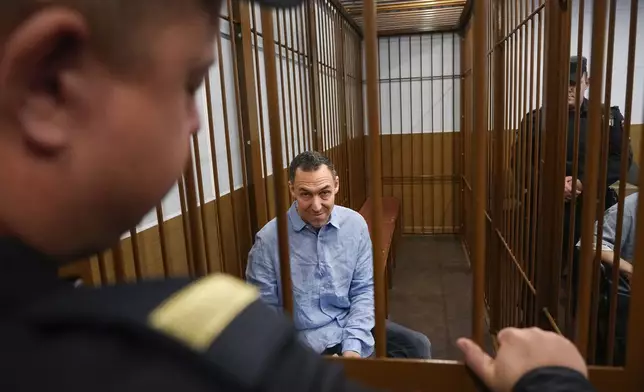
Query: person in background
{"points": [[627, 241], [529, 129], [331, 268], [626, 248], [97, 111]]}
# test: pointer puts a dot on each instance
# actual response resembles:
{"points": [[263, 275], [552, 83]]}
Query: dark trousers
{"points": [[402, 342]]}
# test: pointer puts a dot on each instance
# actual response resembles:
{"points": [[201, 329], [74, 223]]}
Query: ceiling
{"points": [[411, 16]]}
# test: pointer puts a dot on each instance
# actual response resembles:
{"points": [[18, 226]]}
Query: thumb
{"points": [[477, 360]]}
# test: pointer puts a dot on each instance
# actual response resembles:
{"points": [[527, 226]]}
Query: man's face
{"points": [[315, 194], [572, 90], [100, 149]]}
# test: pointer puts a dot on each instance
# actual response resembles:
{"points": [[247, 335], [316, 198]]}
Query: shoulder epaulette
{"points": [[219, 318]]}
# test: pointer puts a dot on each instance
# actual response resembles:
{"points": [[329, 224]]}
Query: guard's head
{"points": [[96, 111], [578, 66], [313, 182]]}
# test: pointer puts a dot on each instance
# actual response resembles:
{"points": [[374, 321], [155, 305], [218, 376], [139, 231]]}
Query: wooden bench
{"points": [[390, 231]]}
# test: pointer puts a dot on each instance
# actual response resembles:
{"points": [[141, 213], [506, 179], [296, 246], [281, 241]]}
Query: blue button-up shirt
{"points": [[332, 275]]}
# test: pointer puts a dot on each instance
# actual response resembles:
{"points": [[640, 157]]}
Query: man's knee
{"points": [[413, 344], [423, 345]]}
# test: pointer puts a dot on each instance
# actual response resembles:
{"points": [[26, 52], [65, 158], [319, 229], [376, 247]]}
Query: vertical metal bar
{"points": [[342, 106], [632, 38], [391, 123], [283, 90], [323, 75], [278, 171], [102, 267], [432, 185], [162, 241], [215, 165], [296, 69], [246, 104], [557, 50], [575, 170], [289, 47], [590, 187], [525, 140], [198, 259], [224, 102], [186, 228], [202, 202], [479, 183], [371, 41], [536, 163], [314, 78], [260, 104], [442, 153], [529, 166], [411, 143], [333, 98], [602, 185], [402, 165], [119, 264], [514, 126], [455, 166], [303, 58], [136, 256], [498, 105], [422, 141]]}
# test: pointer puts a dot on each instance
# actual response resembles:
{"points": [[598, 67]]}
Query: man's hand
{"points": [[520, 351], [568, 188], [350, 354]]}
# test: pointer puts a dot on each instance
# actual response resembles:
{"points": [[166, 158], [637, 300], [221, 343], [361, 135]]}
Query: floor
{"points": [[432, 291]]}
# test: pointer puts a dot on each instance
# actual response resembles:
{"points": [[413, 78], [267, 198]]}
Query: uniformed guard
{"points": [[97, 111], [535, 120]]}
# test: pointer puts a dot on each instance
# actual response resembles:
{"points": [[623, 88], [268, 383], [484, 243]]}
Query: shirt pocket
{"points": [[342, 269]]}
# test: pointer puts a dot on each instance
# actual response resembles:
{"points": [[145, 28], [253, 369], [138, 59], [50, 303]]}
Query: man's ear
{"points": [[337, 184], [34, 75], [291, 188]]}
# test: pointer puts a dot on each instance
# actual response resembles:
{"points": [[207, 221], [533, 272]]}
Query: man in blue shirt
{"points": [[331, 269]]}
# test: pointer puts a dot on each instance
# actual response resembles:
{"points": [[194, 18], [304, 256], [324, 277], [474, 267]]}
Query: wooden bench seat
{"points": [[390, 231]]}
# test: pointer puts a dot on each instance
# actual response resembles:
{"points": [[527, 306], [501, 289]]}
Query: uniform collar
{"points": [[298, 223], [25, 275]]}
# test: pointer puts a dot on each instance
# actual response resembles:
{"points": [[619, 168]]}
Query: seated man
{"points": [[609, 234], [331, 269], [626, 250]]}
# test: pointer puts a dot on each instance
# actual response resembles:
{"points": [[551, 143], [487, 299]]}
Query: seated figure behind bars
{"points": [[626, 251], [523, 162], [331, 269]]}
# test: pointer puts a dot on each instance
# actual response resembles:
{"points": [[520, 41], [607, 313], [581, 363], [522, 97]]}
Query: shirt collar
{"points": [[298, 223]]}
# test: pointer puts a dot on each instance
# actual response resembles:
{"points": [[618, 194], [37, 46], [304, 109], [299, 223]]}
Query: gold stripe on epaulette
{"points": [[197, 314]]}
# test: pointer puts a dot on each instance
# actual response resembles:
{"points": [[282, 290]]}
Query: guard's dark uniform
{"points": [[210, 335], [616, 133], [531, 133]]}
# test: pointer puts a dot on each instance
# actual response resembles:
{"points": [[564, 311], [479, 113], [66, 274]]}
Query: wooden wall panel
{"points": [[426, 184]]}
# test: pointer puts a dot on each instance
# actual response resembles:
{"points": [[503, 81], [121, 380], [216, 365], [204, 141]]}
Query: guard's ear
{"points": [[34, 76]]}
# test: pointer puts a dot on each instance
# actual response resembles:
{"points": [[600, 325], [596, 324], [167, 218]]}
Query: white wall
{"points": [[419, 80], [620, 57], [622, 28]]}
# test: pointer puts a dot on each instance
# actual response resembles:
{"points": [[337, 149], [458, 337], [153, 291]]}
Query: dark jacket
{"points": [[54, 337], [528, 132]]}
